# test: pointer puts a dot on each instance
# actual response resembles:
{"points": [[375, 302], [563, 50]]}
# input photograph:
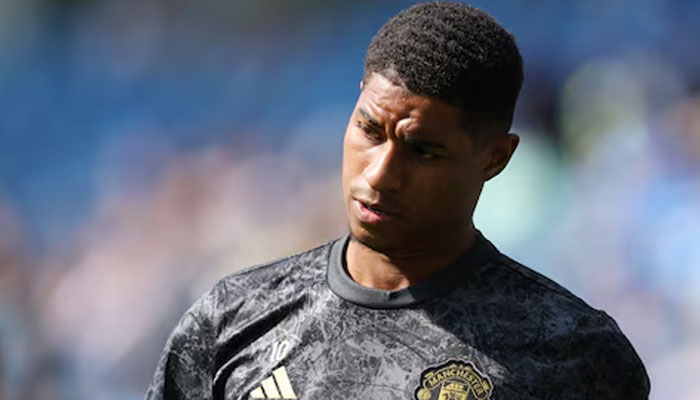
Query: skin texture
{"points": [[412, 175]]}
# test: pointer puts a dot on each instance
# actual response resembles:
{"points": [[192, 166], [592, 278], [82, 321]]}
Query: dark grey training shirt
{"points": [[484, 328]]}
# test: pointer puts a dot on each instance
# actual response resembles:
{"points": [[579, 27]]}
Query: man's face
{"points": [[411, 173]]}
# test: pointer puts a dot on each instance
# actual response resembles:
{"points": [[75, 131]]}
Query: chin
{"points": [[379, 240]]}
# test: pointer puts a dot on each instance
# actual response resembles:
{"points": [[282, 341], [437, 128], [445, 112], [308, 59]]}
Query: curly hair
{"points": [[453, 52]]}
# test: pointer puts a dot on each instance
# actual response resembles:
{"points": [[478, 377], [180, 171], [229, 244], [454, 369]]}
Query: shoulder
{"points": [[550, 307], [297, 270], [564, 326], [264, 285], [536, 293], [608, 363], [189, 361], [254, 288]]}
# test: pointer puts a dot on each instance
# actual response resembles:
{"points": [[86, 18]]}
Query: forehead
{"points": [[392, 104]]}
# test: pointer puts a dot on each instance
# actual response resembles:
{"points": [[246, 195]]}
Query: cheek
{"points": [[355, 154], [446, 194], [353, 160]]}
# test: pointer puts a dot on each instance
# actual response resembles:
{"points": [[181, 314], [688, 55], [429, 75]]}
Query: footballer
{"points": [[414, 302]]}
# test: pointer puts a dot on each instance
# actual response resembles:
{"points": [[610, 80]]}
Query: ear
{"points": [[498, 153], [362, 84]]}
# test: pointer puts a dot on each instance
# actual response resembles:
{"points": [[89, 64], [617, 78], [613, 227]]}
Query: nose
{"points": [[385, 171]]}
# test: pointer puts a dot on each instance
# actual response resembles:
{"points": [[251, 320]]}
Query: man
{"points": [[414, 303]]}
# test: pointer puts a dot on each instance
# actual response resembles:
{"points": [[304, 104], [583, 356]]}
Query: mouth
{"points": [[375, 209], [373, 212]]}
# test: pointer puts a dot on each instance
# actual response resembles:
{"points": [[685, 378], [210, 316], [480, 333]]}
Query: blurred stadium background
{"points": [[148, 148]]}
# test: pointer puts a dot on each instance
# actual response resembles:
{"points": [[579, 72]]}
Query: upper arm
{"points": [[185, 369], [610, 365]]}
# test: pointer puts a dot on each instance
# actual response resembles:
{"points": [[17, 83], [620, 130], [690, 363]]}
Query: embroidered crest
{"points": [[454, 380]]}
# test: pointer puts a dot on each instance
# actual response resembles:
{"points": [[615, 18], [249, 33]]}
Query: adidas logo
{"points": [[276, 386]]}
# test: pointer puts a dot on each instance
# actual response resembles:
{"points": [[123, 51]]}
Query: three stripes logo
{"points": [[276, 386]]}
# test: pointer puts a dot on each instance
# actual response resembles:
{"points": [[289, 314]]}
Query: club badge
{"points": [[454, 380]]}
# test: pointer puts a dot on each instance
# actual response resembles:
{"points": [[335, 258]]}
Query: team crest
{"points": [[454, 380]]}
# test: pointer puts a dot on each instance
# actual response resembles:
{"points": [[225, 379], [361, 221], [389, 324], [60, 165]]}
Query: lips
{"points": [[372, 212], [375, 209]]}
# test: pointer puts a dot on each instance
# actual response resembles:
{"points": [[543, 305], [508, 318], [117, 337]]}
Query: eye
{"points": [[423, 153], [371, 133]]}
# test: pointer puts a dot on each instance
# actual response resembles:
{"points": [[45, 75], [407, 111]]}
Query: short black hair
{"points": [[453, 52]]}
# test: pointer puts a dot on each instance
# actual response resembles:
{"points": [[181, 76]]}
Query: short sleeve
{"points": [[186, 367], [611, 367]]}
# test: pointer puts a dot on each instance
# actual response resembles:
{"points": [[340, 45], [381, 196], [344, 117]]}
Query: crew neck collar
{"points": [[479, 253]]}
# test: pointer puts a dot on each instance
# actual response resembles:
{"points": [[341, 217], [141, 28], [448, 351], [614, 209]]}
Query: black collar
{"points": [[340, 282]]}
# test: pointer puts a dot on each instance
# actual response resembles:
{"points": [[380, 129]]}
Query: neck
{"points": [[398, 270]]}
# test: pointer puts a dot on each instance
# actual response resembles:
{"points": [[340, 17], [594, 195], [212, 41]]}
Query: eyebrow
{"points": [[414, 141], [372, 121], [411, 140]]}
